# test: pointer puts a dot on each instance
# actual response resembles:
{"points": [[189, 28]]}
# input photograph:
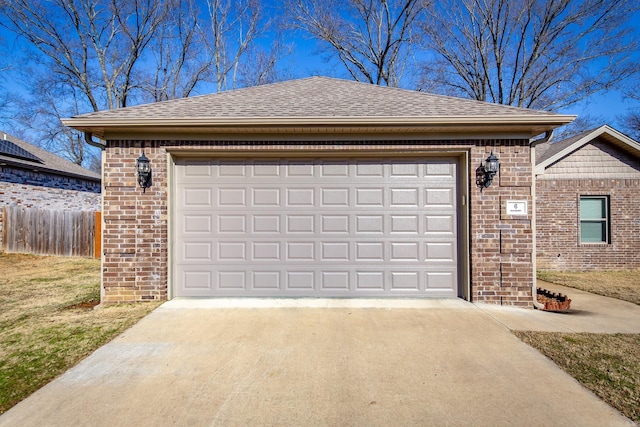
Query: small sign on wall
{"points": [[517, 207]]}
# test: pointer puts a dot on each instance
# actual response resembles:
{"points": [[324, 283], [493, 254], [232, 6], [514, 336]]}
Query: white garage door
{"points": [[316, 227]]}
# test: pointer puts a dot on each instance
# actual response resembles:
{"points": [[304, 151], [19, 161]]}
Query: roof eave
{"points": [[534, 123], [46, 169]]}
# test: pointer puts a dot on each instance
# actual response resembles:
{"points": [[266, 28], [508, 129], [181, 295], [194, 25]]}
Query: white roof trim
{"points": [[105, 126], [555, 119], [604, 129]]}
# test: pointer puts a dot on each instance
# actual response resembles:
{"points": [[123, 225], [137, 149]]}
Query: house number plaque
{"points": [[517, 207]]}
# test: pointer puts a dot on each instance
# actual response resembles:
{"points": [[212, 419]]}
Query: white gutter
{"points": [[91, 121]]}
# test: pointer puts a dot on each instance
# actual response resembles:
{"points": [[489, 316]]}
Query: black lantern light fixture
{"points": [[489, 169], [144, 172]]}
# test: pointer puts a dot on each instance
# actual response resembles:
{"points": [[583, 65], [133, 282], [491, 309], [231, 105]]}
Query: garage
{"points": [[318, 187], [316, 227]]}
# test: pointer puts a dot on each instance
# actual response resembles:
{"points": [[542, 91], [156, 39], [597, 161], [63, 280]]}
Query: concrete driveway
{"points": [[443, 363]]}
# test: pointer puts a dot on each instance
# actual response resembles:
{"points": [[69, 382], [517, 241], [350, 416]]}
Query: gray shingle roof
{"points": [[314, 97], [315, 105], [51, 163], [549, 149]]}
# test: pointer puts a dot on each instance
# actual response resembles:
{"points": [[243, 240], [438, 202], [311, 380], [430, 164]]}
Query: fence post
{"points": [[97, 237], [4, 229]]}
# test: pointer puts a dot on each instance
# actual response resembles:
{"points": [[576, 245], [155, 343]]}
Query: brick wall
{"points": [[501, 244], [37, 189], [136, 234], [557, 234]]}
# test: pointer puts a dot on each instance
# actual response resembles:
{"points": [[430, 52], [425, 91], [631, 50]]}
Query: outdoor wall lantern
{"points": [[489, 169], [144, 172]]}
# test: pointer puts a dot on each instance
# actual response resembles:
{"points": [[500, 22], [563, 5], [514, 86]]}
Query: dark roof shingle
{"points": [[51, 163]]}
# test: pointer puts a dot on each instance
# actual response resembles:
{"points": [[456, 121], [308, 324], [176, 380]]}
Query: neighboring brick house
{"points": [[588, 202], [318, 188], [33, 177]]}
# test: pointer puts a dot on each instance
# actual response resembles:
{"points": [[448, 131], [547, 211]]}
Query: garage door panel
{"points": [[232, 280], [300, 169], [332, 170], [404, 224], [197, 224], [265, 251], [265, 170], [404, 170], [197, 252], [232, 197], [266, 280], [265, 197], [234, 169], [442, 281], [335, 251], [193, 170], [231, 224], [369, 224], [266, 224], [318, 227], [443, 197], [335, 224], [300, 197], [301, 224], [440, 224], [405, 280], [369, 197], [231, 251], [441, 252], [405, 251], [300, 280]]}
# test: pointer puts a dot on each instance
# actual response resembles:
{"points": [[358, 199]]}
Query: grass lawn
{"points": [[623, 285], [47, 320], [606, 364]]}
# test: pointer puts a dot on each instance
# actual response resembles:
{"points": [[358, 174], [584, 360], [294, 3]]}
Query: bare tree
{"points": [[181, 62], [235, 26], [89, 55], [631, 124], [90, 47], [630, 121], [81, 55], [371, 38], [544, 54], [260, 65]]}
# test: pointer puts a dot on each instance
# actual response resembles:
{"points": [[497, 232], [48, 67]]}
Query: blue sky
{"points": [[305, 60], [608, 105]]}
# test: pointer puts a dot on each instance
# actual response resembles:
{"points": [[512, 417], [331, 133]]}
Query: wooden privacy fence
{"points": [[51, 232]]}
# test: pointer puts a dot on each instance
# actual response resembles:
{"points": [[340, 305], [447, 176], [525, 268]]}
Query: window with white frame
{"points": [[594, 219]]}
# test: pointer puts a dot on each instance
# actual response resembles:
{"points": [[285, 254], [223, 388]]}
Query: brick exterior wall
{"points": [[136, 224], [29, 189], [558, 218], [501, 244]]}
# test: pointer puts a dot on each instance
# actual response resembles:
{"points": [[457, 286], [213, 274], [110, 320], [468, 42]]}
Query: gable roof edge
{"points": [[604, 129]]}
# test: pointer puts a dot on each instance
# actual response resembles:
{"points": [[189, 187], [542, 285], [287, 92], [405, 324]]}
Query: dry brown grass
{"points": [[623, 285], [608, 365], [44, 329]]}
